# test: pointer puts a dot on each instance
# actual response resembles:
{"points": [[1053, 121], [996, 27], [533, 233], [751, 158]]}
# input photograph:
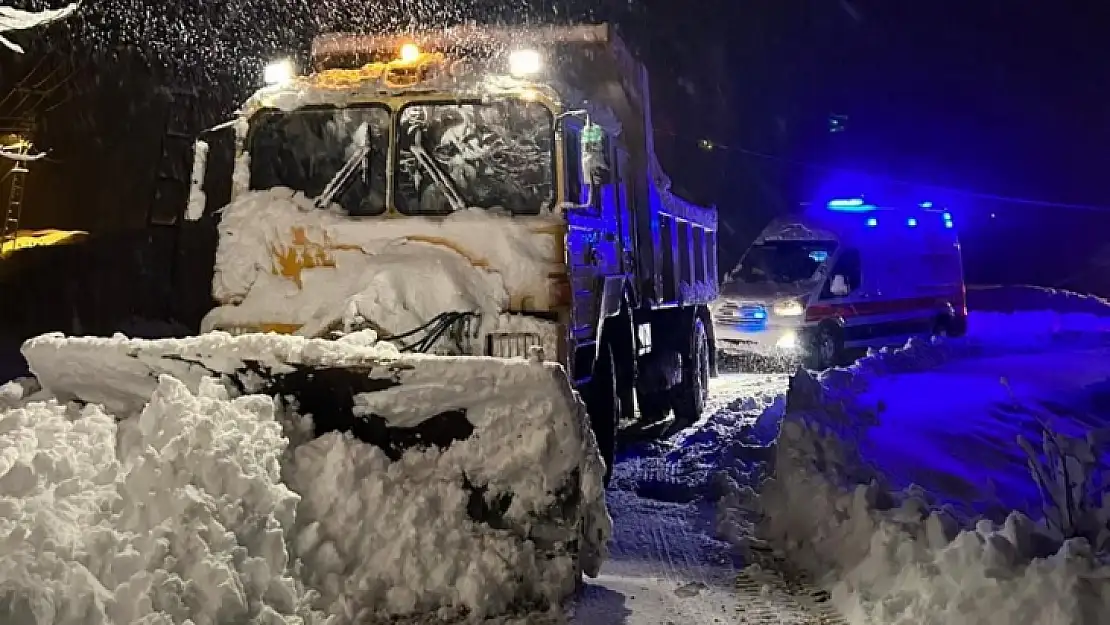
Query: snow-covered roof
{"points": [[433, 73]]}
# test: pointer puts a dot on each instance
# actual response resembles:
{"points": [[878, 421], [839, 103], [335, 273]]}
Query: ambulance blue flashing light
{"points": [[911, 222], [948, 216], [850, 205], [872, 222], [926, 205], [948, 223]]}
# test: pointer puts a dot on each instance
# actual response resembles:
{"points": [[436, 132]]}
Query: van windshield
{"points": [[783, 262]]}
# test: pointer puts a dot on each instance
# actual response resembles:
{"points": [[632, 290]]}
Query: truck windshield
{"points": [[783, 262], [483, 154], [305, 150]]}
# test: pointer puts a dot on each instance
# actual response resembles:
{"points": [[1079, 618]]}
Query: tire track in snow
{"points": [[664, 568]]}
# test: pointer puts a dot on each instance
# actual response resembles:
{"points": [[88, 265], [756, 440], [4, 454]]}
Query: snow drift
{"points": [[1024, 298], [892, 557], [178, 513], [460, 487]]}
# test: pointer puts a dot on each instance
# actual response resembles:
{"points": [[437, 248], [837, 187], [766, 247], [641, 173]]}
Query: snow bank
{"points": [[501, 517], [1029, 316], [888, 557], [279, 260], [1016, 298], [178, 515], [1035, 328]]}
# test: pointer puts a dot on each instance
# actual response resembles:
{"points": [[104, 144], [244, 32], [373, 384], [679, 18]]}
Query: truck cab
{"points": [[848, 275]]}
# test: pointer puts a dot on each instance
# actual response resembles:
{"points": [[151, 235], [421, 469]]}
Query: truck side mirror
{"points": [[197, 200], [839, 285], [595, 158]]}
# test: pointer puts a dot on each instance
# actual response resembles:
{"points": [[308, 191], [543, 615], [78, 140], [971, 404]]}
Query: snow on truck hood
{"points": [[280, 260]]}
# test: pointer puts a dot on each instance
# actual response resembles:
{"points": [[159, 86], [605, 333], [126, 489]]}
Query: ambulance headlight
{"points": [[789, 340], [788, 308]]}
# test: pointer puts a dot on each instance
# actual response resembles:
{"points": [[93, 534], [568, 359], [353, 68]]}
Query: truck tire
{"points": [[603, 406], [654, 406], [689, 396]]}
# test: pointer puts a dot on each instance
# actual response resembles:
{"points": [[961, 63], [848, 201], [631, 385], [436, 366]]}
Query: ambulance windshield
{"points": [[783, 262]]}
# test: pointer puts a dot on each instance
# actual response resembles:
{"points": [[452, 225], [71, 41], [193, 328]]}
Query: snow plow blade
{"points": [[502, 446]]}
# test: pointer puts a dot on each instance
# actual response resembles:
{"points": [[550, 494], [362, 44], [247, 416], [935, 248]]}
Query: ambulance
{"points": [[842, 276]]}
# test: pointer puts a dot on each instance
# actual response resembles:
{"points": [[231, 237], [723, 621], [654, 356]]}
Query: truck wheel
{"points": [[690, 395], [824, 351], [603, 405]]}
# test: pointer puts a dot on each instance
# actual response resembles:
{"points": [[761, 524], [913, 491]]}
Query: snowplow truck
{"points": [[483, 191], [454, 263]]}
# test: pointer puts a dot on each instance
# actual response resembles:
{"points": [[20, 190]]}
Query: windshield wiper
{"points": [[342, 178], [442, 181]]}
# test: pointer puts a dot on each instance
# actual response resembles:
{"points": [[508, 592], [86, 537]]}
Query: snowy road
{"points": [[665, 567]]}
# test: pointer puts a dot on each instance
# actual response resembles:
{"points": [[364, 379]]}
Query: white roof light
{"points": [[279, 72], [410, 53], [525, 62]]}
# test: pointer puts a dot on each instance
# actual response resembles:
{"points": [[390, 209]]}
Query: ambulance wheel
{"points": [[940, 327], [958, 327], [603, 406], [691, 393], [950, 326], [825, 350]]}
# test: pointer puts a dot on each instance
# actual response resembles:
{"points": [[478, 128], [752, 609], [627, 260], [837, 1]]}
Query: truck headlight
{"points": [[788, 308], [525, 62], [279, 72], [512, 344]]}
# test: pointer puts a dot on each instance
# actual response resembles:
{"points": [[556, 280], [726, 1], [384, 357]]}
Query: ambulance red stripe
{"points": [[820, 312]]}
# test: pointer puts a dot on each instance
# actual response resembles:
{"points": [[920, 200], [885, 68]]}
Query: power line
{"points": [[1009, 199]]}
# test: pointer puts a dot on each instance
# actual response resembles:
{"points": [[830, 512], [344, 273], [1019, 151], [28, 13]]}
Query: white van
{"points": [[850, 274]]}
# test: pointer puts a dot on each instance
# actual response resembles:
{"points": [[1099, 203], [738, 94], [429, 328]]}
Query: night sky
{"points": [[993, 106]]}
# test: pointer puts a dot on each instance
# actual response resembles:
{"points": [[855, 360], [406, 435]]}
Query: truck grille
{"points": [[751, 316]]}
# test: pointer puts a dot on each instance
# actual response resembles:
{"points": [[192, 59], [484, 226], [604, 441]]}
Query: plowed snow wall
{"points": [[458, 485]]}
